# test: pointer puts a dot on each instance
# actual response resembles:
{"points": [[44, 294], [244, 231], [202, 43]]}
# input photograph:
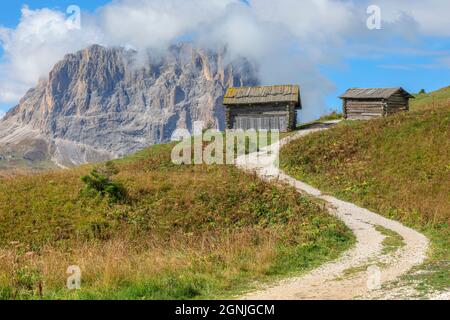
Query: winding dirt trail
{"points": [[359, 272]]}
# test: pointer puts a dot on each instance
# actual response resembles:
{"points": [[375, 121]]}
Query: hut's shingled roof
{"points": [[373, 93], [263, 94]]}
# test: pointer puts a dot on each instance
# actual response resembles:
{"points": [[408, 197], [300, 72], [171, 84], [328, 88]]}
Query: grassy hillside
{"points": [[182, 232], [397, 166], [435, 99]]}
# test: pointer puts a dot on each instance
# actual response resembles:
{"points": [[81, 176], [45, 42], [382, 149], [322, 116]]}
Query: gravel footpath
{"points": [[362, 271]]}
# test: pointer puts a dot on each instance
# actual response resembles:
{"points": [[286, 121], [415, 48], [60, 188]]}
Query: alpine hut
{"points": [[364, 104], [262, 108]]}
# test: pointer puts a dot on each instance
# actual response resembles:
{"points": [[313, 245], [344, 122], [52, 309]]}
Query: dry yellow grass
{"points": [[110, 263]]}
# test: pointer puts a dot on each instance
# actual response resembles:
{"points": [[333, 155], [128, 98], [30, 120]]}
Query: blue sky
{"points": [[10, 10], [416, 57], [411, 71]]}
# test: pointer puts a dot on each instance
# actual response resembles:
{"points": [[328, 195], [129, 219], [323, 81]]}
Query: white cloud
{"points": [[289, 39], [285, 48], [431, 16], [2, 114], [30, 50], [143, 23], [286, 39]]}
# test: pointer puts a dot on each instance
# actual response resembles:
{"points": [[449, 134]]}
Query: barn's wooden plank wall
{"points": [[397, 103], [270, 117], [365, 104], [363, 109], [263, 107]]}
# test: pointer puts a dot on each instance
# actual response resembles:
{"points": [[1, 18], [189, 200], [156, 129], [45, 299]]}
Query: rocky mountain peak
{"points": [[101, 103]]}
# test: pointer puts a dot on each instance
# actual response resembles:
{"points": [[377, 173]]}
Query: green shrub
{"points": [[27, 283], [99, 182]]}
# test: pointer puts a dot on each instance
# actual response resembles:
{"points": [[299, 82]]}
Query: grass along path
{"points": [[329, 281], [397, 166]]}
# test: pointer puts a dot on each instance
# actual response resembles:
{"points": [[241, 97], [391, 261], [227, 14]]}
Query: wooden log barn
{"points": [[262, 108], [365, 104]]}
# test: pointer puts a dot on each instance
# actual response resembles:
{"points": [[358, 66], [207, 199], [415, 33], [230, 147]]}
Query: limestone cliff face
{"points": [[101, 103]]}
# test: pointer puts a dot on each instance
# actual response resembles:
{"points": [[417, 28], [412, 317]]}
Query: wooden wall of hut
{"points": [[261, 117], [357, 109]]}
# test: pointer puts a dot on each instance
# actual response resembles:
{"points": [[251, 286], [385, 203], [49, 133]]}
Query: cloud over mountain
{"points": [[288, 39]]}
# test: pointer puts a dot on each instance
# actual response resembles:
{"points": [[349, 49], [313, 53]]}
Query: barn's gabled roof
{"points": [[263, 95], [374, 93]]}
